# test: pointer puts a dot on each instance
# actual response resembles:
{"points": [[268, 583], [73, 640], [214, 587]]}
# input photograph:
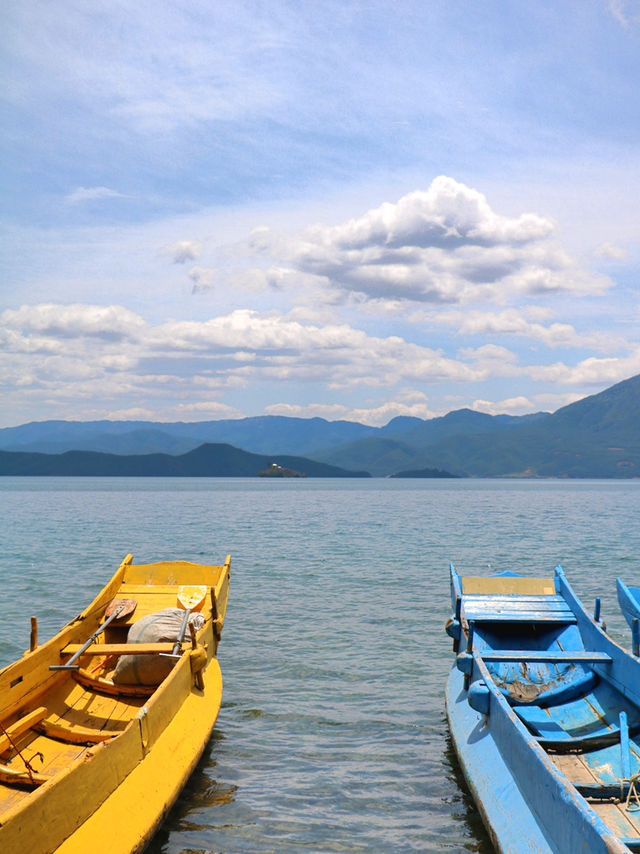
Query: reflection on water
{"points": [[463, 807], [200, 797]]}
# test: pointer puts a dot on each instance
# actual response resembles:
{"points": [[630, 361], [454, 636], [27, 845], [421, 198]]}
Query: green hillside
{"points": [[209, 460]]}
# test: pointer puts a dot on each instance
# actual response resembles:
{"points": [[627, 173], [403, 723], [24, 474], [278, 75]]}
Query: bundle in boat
{"points": [[101, 726]]}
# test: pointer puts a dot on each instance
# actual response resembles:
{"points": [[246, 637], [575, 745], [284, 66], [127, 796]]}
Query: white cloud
{"points": [[592, 371], [409, 404], [185, 250], [72, 321], [75, 352], [92, 194], [445, 245], [515, 322], [511, 406], [611, 252]]}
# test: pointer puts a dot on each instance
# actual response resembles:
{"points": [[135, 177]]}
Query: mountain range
{"points": [[598, 436]]}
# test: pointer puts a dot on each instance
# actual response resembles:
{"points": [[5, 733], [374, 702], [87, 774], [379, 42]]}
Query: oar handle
{"points": [[71, 664], [185, 622]]}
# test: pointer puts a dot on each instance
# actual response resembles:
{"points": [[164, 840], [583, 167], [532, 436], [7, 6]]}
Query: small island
{"points": [[276, 470]]}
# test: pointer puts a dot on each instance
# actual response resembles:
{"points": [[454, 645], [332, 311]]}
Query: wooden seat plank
{"points": [[105, 686], [121, 649], [551, 656], [63, 731], [20, 727]]}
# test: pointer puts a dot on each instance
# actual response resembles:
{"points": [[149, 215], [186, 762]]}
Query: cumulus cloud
{"points": [[516, 323], [82, 352], [71, 321], [185, 250], [62, 359], [591, 371], [92, 194], [443, 245]]}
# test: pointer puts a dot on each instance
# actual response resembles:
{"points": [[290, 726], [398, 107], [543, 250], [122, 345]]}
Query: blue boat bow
{"points": [[544, 710]]}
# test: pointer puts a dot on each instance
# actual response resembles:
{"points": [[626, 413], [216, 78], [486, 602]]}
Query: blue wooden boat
{"points": [[629, 601], [544, 714]]}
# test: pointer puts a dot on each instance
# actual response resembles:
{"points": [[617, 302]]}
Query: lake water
{"points": [[332, 735]]}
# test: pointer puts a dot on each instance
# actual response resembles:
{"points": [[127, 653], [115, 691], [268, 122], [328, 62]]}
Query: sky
{"points": [[348, 210]]}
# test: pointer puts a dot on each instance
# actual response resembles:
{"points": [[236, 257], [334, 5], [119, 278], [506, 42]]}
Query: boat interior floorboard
{"points": [[618, 819], [77, 706], [58, 733], [593, 769]]}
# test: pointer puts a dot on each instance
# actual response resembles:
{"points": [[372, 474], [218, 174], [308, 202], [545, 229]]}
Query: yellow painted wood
{"points": [[120, 648], [151, 744], [179, 749], [74, 734], [106, 686], [173, 572], [505, 586], [20, 727]]}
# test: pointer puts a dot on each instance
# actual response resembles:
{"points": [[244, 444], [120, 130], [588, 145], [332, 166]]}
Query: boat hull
{"points": [[533, 704], [490, 780], [114, 757], [161, 777]]}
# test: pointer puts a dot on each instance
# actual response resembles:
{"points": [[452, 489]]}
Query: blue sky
{"points": [[352, 210]]}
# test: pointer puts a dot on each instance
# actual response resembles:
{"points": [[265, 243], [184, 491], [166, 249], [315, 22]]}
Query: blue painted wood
{"points": [[539, 677], [629, 601], [544, 655], [625, 757], [517, 609]]}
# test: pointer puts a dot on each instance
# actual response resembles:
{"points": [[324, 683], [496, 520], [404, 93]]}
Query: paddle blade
{"points": [[121, 608], [192, 597]]}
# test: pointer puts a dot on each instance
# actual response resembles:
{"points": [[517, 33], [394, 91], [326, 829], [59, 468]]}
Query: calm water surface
{"points": [[332, 735]]}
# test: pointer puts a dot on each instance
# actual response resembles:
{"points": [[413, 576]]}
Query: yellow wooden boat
{"points": [[92, 763]]}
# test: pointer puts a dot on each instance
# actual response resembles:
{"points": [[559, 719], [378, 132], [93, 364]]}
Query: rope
{"points": [[27, 763], [632, 803]]}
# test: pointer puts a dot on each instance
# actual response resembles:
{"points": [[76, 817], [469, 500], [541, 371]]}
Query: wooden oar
{"points": [[190, 598], [117, 610]]}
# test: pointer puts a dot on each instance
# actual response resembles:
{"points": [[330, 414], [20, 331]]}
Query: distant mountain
{"points": [[598, 436], [461, 422], [209, 460], [267, 434], [412, 438], [378, 456]]}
